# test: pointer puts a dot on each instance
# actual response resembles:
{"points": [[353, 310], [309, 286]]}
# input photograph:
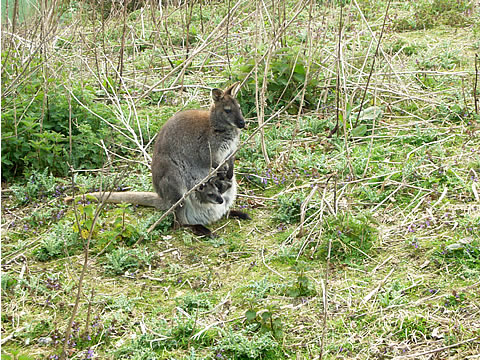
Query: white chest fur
{"points": [[226, 149]]}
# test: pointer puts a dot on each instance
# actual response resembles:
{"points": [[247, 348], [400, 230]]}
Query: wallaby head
{"points": [[209, 193], [225, 112]]}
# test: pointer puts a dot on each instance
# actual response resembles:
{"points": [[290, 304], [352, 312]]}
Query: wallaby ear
{"points": [[217, 94], [232, 89]]}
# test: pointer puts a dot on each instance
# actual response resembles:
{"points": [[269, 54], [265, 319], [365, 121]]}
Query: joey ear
{"points": [[217, 94], [232, 89]]}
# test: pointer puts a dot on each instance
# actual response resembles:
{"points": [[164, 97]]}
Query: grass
{"points": [[386, 246]]}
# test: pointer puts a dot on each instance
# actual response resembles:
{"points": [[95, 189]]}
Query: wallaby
{"points": [[209, 193], [188, 145]]}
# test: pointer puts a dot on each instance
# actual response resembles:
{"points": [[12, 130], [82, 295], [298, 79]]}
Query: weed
{"points": [[264, 321], [412, 328], [427, 14], [446, 58], [61, 240], [122, 260], [403, 47], [302, 286], [123, 303], [455, 299], [40, 185], [285, 78], [8, 281], [352, 236], [288, 211], [193, 303], [259, 289], [392, 295], [238, 345]]}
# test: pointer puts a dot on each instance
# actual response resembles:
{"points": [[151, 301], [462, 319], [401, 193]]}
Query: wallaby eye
{"points": [[227, 110]]}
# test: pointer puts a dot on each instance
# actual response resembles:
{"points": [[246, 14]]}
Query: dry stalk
{"points": [[303, 209], [307, 74], [119, 73], [325, 301], [373, 64], [301, 6], [260, 94], [68, 330], [214, 35], [268, 267], [475, 84], [337, 85]]}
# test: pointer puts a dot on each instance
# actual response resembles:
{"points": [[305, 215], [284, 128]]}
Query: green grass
{"points": [[389, 245]]}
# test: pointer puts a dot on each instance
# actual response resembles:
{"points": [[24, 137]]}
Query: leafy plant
{"points": [[238, 345], [264, 321], [352, 235], [286, 75], [412, 327], [38, 186], [259, 289], [39, 138], [191, 303], [8, 281], [288, 210], [58, 242], [302, 286], [121, 260]]}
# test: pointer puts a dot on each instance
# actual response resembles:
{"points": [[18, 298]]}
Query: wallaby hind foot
{"points": [[236, 214], [200, 230]]}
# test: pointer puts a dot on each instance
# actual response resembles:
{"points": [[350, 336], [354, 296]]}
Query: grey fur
{"points": [[187, 146]]}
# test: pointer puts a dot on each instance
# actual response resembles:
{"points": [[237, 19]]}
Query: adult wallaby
{"points": [[188, 145]]}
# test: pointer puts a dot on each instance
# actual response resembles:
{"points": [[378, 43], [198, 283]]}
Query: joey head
{"points": [[209, 193]]}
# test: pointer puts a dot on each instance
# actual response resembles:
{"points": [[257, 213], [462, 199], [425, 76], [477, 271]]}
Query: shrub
{"points": [[35, 130], [285, 78]]}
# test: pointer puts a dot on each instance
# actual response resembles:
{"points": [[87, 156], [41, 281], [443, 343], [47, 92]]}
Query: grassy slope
{"points": [[392, 286]]}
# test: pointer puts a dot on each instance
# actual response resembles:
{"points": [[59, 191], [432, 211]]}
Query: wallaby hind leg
{"points": [[200, 230], [236, 214]]}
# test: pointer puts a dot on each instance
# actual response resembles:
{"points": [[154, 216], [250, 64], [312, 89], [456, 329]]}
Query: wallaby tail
{"points": [[142, 198]]}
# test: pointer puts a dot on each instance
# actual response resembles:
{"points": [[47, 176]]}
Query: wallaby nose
{"points": [[241, 123]]}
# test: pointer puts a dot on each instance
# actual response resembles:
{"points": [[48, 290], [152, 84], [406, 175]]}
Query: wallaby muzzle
{"points": [[240, 123]]}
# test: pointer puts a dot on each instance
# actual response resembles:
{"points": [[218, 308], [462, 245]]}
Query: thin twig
{"points": [[373, 64], [325, 301]]}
